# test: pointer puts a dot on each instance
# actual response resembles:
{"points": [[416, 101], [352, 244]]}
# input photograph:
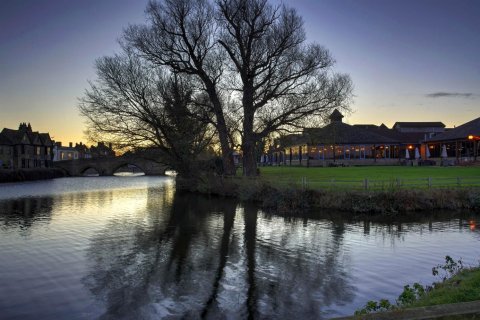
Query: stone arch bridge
{"points": [[108, 165]]}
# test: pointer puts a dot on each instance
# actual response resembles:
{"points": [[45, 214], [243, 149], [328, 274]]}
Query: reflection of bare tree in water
{"points": [[154, 262], [228, 220], [187, 259], [298, 277], [24, 213], [250, 216]]}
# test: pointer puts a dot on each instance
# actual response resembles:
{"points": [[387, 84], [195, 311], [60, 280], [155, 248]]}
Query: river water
{"points": [[134, 248]]}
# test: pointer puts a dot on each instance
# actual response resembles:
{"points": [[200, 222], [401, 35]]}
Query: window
{"points": [[347, 152]]}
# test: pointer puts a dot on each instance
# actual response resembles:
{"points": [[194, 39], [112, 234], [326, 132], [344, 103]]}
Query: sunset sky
{"points": [[409, 60]]}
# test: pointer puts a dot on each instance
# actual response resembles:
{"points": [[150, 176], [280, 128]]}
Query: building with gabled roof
{"points": [[31, 149], [356, 144], [461, 143], [6, 152]]}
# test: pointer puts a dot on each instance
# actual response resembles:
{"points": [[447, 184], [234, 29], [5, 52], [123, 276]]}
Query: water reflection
{"points": [[24, 213], [120, 248], [209, 257]]}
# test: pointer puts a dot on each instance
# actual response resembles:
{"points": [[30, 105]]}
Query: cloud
{"points": [[450, 95]]}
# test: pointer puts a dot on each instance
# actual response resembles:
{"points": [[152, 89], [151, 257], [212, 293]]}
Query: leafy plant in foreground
{"points": [[411, 294]]}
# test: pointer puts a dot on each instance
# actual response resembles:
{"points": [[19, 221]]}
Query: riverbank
{"points": [[458, 294], [30, 174], [462, 287], [284, 198]]}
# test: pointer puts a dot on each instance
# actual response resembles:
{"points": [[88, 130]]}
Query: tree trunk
{"points": [[249, 139], [249, 159], [227, 157], [221, 126]]}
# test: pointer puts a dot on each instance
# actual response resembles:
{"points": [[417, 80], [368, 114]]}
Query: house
{"points": [[461, 143], [102, 150], [342, 143], [61, 153], [6, 152], [31, 149], [83, 151]]}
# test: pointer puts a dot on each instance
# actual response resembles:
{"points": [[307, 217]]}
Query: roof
{"points": [[419, 124], [342, 133], [292, 140], [46, 140], [15, 136], [461, 132], [336, 116], [65, 148], [24, 136], [366, 126], [34, 138], [4, 140]]}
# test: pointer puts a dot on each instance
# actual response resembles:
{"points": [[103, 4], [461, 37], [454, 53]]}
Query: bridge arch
{"points": [[108, 165], [83, 170], [115, 168]]}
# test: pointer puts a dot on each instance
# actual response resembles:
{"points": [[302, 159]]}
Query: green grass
{"points": [[377, 175], [463, 287]]}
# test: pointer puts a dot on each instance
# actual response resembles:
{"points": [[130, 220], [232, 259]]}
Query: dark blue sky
{"points": [[409, 60]]}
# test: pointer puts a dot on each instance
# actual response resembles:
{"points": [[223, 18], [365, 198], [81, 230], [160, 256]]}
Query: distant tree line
{"points": [[201, 74]]}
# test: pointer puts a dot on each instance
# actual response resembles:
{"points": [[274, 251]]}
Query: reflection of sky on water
{"points": [[78, 184], [134, 248]]}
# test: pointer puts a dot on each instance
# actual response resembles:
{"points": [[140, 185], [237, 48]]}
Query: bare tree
{"points": [[248, 51], [136, 105], [182, 36], [283, 81]]}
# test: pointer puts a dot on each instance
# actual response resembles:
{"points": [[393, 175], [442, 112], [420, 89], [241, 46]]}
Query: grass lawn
{"points": [[463, 287], [377, 175]]}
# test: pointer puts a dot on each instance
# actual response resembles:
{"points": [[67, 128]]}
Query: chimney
{"points": [[70, 144]]}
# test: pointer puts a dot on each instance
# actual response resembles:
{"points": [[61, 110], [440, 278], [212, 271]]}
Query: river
{"points": [[134, 248]]}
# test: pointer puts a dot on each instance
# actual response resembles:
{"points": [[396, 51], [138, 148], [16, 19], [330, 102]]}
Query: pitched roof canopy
{"points": [[342, 133], [419, 124], [461, 132]]}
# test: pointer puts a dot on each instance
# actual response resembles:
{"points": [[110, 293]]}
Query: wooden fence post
{"points": [[365, 183], [459, 181], [429, 182]]}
